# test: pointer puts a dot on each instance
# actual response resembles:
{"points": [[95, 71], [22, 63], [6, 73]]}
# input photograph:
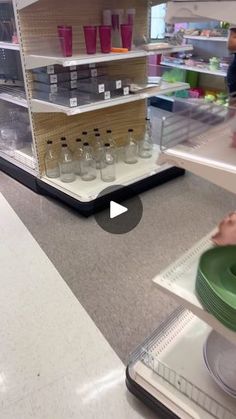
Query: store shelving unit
{"points": [[206, 38], [219, 73], [36, 22], [167, 370]]}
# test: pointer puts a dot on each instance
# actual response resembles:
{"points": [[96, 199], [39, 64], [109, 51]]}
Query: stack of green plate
{"points": [[216, 284]]}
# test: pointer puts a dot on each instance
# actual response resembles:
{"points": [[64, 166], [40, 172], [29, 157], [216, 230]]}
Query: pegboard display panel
{"points": [[119, 119], [39, 22]]}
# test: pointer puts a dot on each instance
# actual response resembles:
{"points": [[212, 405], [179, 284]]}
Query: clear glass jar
{"points": [[110, 139], [98, 151], [88, 164], [108, 171], [66, 165], [131, 149], [77, 156], [146, 146], [51, 162]]}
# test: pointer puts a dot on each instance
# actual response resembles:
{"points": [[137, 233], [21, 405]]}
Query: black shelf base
{"points": [[87, 208], [140, 393]]}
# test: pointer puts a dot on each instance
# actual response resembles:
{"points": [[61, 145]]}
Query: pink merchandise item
{"points": [[90, 36], [126, 36], [65, 37], [105, 38]]}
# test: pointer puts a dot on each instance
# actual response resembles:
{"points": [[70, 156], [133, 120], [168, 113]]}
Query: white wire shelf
{"points": [[13, 95], [181, 382], [206, 38], [40, 106], [195, 68], [21, 159], [35, 61], [179, 280], [126, 175], [9, 45]]}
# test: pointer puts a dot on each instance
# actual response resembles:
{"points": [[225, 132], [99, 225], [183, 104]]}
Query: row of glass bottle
{"points": [[88, 157]]}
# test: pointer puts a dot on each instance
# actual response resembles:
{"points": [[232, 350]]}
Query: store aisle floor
{"points": [[112, 275], [55, 363]]}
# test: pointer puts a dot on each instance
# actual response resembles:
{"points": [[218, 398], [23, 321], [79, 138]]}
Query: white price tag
{"points": [[126, 91], [73, 68], [107, 95], [101, 88], [74, 75], [73, 102], [118, 84], [94, 72], [53, 78], [54, 88], [50, 69], [73, 84]]}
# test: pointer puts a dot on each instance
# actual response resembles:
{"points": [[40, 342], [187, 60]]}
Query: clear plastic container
{"points": [[66, 165], [51, 162], [88, 164], [77, 156], [131, 149], [146, 146], [108, 170]]}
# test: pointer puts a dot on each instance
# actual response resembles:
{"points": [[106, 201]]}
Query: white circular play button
{"points": [[123, 209], [116, 209]]}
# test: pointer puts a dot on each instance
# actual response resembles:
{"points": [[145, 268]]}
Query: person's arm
{"points": [[232, 40]]}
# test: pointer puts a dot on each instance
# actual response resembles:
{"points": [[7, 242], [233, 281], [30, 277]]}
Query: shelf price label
{"points": [[73, 102], [101, 88]]}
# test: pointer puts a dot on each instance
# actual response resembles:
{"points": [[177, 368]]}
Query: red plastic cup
{"points": [[105, 38], [90, 36], [126, 36], [65, 36]]}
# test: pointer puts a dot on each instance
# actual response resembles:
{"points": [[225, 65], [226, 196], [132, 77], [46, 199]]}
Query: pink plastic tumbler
{"points": [[65, 36], [105, 38], [90, 35], [126, 36]]}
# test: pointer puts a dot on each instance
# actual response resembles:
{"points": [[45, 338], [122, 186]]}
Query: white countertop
{"points": [[54, 362]]}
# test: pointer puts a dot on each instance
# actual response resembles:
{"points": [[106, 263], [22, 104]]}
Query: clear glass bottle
{"points": [[88, 164], [77, 156], [131, 149], [63, 140], [66, 164], [98, 151], [84, 137], [146, 146], [110, 139], [51, 162], [108, 171]]}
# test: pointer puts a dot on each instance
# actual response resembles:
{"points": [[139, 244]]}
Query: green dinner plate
{"points": [[217, 267]]}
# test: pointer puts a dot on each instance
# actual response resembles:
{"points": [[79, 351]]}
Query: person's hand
{"points": [[226, 234]]}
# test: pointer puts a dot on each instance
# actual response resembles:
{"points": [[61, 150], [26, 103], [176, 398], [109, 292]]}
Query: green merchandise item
{"points": [[174, 75], [182, 94], [192, 78], [216, 284]]}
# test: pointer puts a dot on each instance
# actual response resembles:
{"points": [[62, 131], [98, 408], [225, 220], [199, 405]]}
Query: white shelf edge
{"points": [[197, 69], [21, 4], [35, 61], [178, 280], [206, 38], [12, 99], [9, 45], [18, 163], [40, 106], [92, 190]]}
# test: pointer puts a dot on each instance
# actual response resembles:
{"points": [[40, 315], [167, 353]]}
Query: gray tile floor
{"points": [[112, 275]]}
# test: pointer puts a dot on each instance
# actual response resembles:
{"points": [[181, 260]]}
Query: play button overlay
{"points": [[116, 209], [123, 209]]}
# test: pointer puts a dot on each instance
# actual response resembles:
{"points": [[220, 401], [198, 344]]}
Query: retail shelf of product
{"points": [[35, 61], [9, 45], [41, 106], [204, 70], [13, 95], [179, 382], [21, 159], [199, 139], [126, 174], [179, 279], [206, 38]]}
